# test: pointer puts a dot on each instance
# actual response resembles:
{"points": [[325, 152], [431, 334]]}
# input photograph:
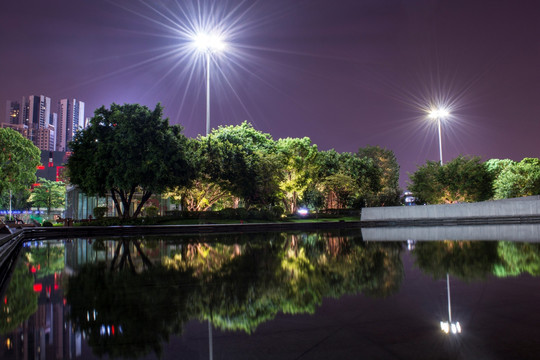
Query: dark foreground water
{"points": [[326, 295]]}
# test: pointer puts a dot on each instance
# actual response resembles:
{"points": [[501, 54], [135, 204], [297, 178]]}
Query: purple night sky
{"points": [[346, 73]]}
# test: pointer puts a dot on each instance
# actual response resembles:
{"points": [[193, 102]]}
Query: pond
{"points": [[296, 295]]}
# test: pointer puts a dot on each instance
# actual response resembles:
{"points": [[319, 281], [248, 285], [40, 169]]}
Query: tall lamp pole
{"points": [[438, 115], [208, 44]]}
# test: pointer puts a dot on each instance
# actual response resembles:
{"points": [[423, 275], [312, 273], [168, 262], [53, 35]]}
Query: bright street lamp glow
{"points": [[209, 43], [440, 113]]}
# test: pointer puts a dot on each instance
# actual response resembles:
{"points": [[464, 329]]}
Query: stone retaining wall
{"points": [[528, 206]]}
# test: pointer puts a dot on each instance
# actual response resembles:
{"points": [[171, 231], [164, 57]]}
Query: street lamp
{"points": [[439, 114], [208, 44]]}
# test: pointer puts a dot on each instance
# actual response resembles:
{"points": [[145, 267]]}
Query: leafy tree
{"points": [[496, 166], [464, 179], [242, 161], [298, 168], [367, 176], [19, 200], [386, 161], [129, 148], [19, 158], [343, 187], [49, 194], [200, 195], [518, 179]]}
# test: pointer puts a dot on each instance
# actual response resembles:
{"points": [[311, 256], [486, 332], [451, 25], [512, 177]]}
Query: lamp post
{"points": [[208, 44], [439, 114]]}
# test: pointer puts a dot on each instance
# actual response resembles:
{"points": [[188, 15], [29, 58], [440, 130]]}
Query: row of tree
{"points": [[468, 179], [129, 148]]}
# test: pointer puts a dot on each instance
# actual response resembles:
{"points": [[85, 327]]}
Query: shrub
{"points": [[151, 211], [100, 211], [47, 224]]}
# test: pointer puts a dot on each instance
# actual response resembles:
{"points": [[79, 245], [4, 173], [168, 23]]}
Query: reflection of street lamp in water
{"points": [[449, 326]]}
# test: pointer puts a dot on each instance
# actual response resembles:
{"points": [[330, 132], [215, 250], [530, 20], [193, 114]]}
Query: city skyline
{"points": [[35, 118], [346, 74]]}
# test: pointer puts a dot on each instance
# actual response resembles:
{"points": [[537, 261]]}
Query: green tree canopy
{"points": [[298, 156], [464, 179], [518, 179], [19, 158], [49, 194], [386, 161], [128, 148], [242, 161]]}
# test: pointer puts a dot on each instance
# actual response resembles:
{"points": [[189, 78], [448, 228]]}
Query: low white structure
{"points": [[525, 206]]}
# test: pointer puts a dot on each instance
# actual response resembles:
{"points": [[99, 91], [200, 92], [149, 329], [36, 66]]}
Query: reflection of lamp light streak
{"points": [[210, 341], [449, 326]]}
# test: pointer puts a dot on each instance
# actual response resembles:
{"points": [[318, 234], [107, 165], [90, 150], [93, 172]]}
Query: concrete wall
{"points": [[497, 208], [521, 232]]}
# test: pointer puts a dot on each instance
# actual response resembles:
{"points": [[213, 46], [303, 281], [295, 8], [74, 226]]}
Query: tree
{"points": [[242, 161], [464, 179], [18, 161], [129, 148], [342, 187], [19, 200], [367, 176], [49, 194], [518, 179], [298, 167], [346, 174], [386, 161]]}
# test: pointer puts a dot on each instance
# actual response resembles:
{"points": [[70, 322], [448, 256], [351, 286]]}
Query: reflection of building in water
{"points": [[48, 333]]}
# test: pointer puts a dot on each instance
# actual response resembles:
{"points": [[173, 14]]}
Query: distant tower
{"points": [[13, 112], [39, 113], [70, 119]]}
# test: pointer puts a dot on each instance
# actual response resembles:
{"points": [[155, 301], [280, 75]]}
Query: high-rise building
{"points": [[39, 114], [13, 112], [70, 119]]}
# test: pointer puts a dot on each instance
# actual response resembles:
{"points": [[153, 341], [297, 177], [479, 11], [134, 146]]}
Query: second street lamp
{"points": [[439, 114], [208, 44]]}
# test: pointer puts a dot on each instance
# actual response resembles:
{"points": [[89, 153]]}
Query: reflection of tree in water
{"points": [[467, 260], [49, 258], [517, 258], [237, 285], [20, 301], [123, 256], [293, 276], [125, 313]]}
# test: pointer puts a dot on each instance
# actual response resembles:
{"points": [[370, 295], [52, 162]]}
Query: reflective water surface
{"points": [[326, 295]]}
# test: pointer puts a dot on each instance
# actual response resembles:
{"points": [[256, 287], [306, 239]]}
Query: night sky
{"points": [[345, 73]]}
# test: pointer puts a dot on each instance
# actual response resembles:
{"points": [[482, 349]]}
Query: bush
{"points": [[47, 224], [151, 211], [100, 211], [277, 211]]}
